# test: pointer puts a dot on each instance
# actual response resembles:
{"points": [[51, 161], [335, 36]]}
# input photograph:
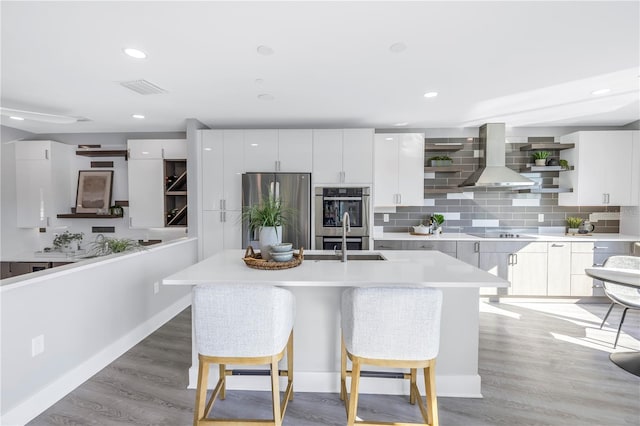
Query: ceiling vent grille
{"points": [[143, 87]]}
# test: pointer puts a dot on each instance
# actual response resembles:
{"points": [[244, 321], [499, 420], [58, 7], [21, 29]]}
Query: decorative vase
{"points": [[269, 235], [572, 230], [541, 162]]}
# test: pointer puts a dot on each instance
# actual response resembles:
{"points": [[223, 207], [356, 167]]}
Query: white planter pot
{"points": [[572, 230], [269, 235], [541, 162]]}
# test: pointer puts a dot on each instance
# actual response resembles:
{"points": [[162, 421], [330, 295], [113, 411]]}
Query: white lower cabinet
{"points": [[587, 254], [221, 230], [559, 269], [446, 247]]}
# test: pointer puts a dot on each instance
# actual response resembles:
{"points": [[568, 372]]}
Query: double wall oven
{"points": [[330, 206]]}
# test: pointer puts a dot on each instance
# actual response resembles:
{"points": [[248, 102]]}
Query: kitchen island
{"points": [[318, 285]]}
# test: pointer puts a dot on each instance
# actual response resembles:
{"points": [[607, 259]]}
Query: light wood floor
{"points": [[541, 364]]}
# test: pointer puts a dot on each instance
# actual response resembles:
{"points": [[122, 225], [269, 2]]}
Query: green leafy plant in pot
{"points": [[103, 246], [268, 218], [437, 220], [64, 241], [573, 223], [540, 157]]}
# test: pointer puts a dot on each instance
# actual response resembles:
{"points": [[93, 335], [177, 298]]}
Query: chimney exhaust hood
{"points": [[493, 173]]}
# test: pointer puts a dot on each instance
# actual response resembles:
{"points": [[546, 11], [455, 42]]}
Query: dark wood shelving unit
{"points": [[546, 146], [543, 169], [546, 189], [443, 147], [102, 153], [444, 169], [87, 216], [175, 195]]}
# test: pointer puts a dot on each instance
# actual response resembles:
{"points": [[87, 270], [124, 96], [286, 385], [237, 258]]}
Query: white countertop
{"points": [[405, 236], [431, 268]]}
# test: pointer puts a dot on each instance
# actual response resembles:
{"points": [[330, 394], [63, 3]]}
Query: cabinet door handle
{"points": [[607, 198], [515, 257], [46, 154], [162, 151], [130, 222], [426, 247], [48, 221], [599, 248], [224, 204], [598, 264], [399, 198], [557, 245], [221, 217], [476, 247]]}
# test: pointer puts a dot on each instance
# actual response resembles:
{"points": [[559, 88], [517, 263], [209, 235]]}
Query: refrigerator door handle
{"points": [[277, 190]]}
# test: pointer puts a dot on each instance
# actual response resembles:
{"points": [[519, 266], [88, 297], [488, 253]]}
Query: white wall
{"points": [[89, 315]]}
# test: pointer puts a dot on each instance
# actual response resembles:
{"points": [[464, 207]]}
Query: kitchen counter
{"points": [[405, 236], [317, 286]]}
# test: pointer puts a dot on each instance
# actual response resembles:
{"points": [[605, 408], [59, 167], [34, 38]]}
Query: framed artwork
{"points": [[94, 191]]}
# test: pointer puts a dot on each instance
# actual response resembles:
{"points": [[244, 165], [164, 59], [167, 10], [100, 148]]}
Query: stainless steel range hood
{"points": [[492, 172]]}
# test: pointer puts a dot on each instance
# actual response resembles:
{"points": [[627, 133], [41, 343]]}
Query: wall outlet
{"points": [[37, 345], [385, 217], [540, 217], [156, 287]]}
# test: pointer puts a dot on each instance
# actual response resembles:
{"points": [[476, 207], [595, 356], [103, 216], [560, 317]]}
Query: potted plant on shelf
{"points": [[564, 164], [540, 157], [436, 221], [441, 160], [267, 218], [573, 223], [64, 242]]}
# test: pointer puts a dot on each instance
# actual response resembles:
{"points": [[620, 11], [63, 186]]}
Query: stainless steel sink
{"points": [[350, 256]]}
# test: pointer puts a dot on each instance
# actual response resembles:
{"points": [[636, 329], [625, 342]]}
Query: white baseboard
{"points": [[45, 398], [458, 386]]}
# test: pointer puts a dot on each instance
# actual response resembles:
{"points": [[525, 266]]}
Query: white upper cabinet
{"points": [[605, 171], [272, 150], [295, 150], [44, 182], [157, 149], [343, 156], [399, 169], [222, 168], [146, 178]]}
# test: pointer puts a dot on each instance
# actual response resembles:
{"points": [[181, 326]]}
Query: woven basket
{"points": [[256, 261]]}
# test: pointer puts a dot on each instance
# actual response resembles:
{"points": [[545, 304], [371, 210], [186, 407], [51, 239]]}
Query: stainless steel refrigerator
{"points": [[294, 190]]}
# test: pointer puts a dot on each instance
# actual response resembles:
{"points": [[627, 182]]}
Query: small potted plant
{"points": [[267, 218], [64, 242], [573, 223], [540, 157], [440, 161], [564, 164], [105, 245], [436, 221]]}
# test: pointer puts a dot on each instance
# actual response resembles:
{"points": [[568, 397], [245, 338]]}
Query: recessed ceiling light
{"points": [[431, 94], [138, 116], [13, 117], [398, 47], [135, 53], [404, 123], [145, 152], [266, 97], [265, 50], [388, 139], [208, 149], [254, 144], [600, 92]]}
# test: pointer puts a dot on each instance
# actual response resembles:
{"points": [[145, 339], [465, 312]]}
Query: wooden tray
{"points": [[255, 260], [422, 235]]}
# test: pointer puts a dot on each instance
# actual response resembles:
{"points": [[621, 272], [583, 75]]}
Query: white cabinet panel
{"points": [[44, 182], [559, 269], [343, 156], [222, 168], [528, 274], [157, 149], [357, 155], [146, 194], [399, 169], [605, 169], [327, 156], [295, 150], [174, 149], [260, 150], [221, 230]]}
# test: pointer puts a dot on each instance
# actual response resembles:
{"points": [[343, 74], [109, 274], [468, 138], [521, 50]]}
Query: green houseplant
{"points": [[103, 246], [572, 224], [267, 218], [437, 220], [63, 242], [441, 160], [540, 157]]}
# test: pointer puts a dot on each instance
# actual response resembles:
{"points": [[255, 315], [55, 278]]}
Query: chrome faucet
{"points": [[346, 227]]}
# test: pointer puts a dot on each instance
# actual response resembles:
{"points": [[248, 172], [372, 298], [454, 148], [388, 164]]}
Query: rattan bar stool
{"points": [[242, 325], [391, 327]]}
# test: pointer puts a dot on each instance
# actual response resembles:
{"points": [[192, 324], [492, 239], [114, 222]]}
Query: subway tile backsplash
{"points": [[482, 210]]}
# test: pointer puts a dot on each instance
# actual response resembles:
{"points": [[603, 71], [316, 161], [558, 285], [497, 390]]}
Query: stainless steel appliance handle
{"points": [[342, 198], [476, 247], [339, 240]]}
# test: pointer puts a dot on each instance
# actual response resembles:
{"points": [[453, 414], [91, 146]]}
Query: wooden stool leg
{"points": [[290, 364], [412, 394], [431, 398], [353, 397], [201, 391], [223, 377], [343, 370], [275, 391]]}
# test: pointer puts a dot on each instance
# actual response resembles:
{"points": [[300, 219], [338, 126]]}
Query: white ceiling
{"points": [[523, 63]]}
